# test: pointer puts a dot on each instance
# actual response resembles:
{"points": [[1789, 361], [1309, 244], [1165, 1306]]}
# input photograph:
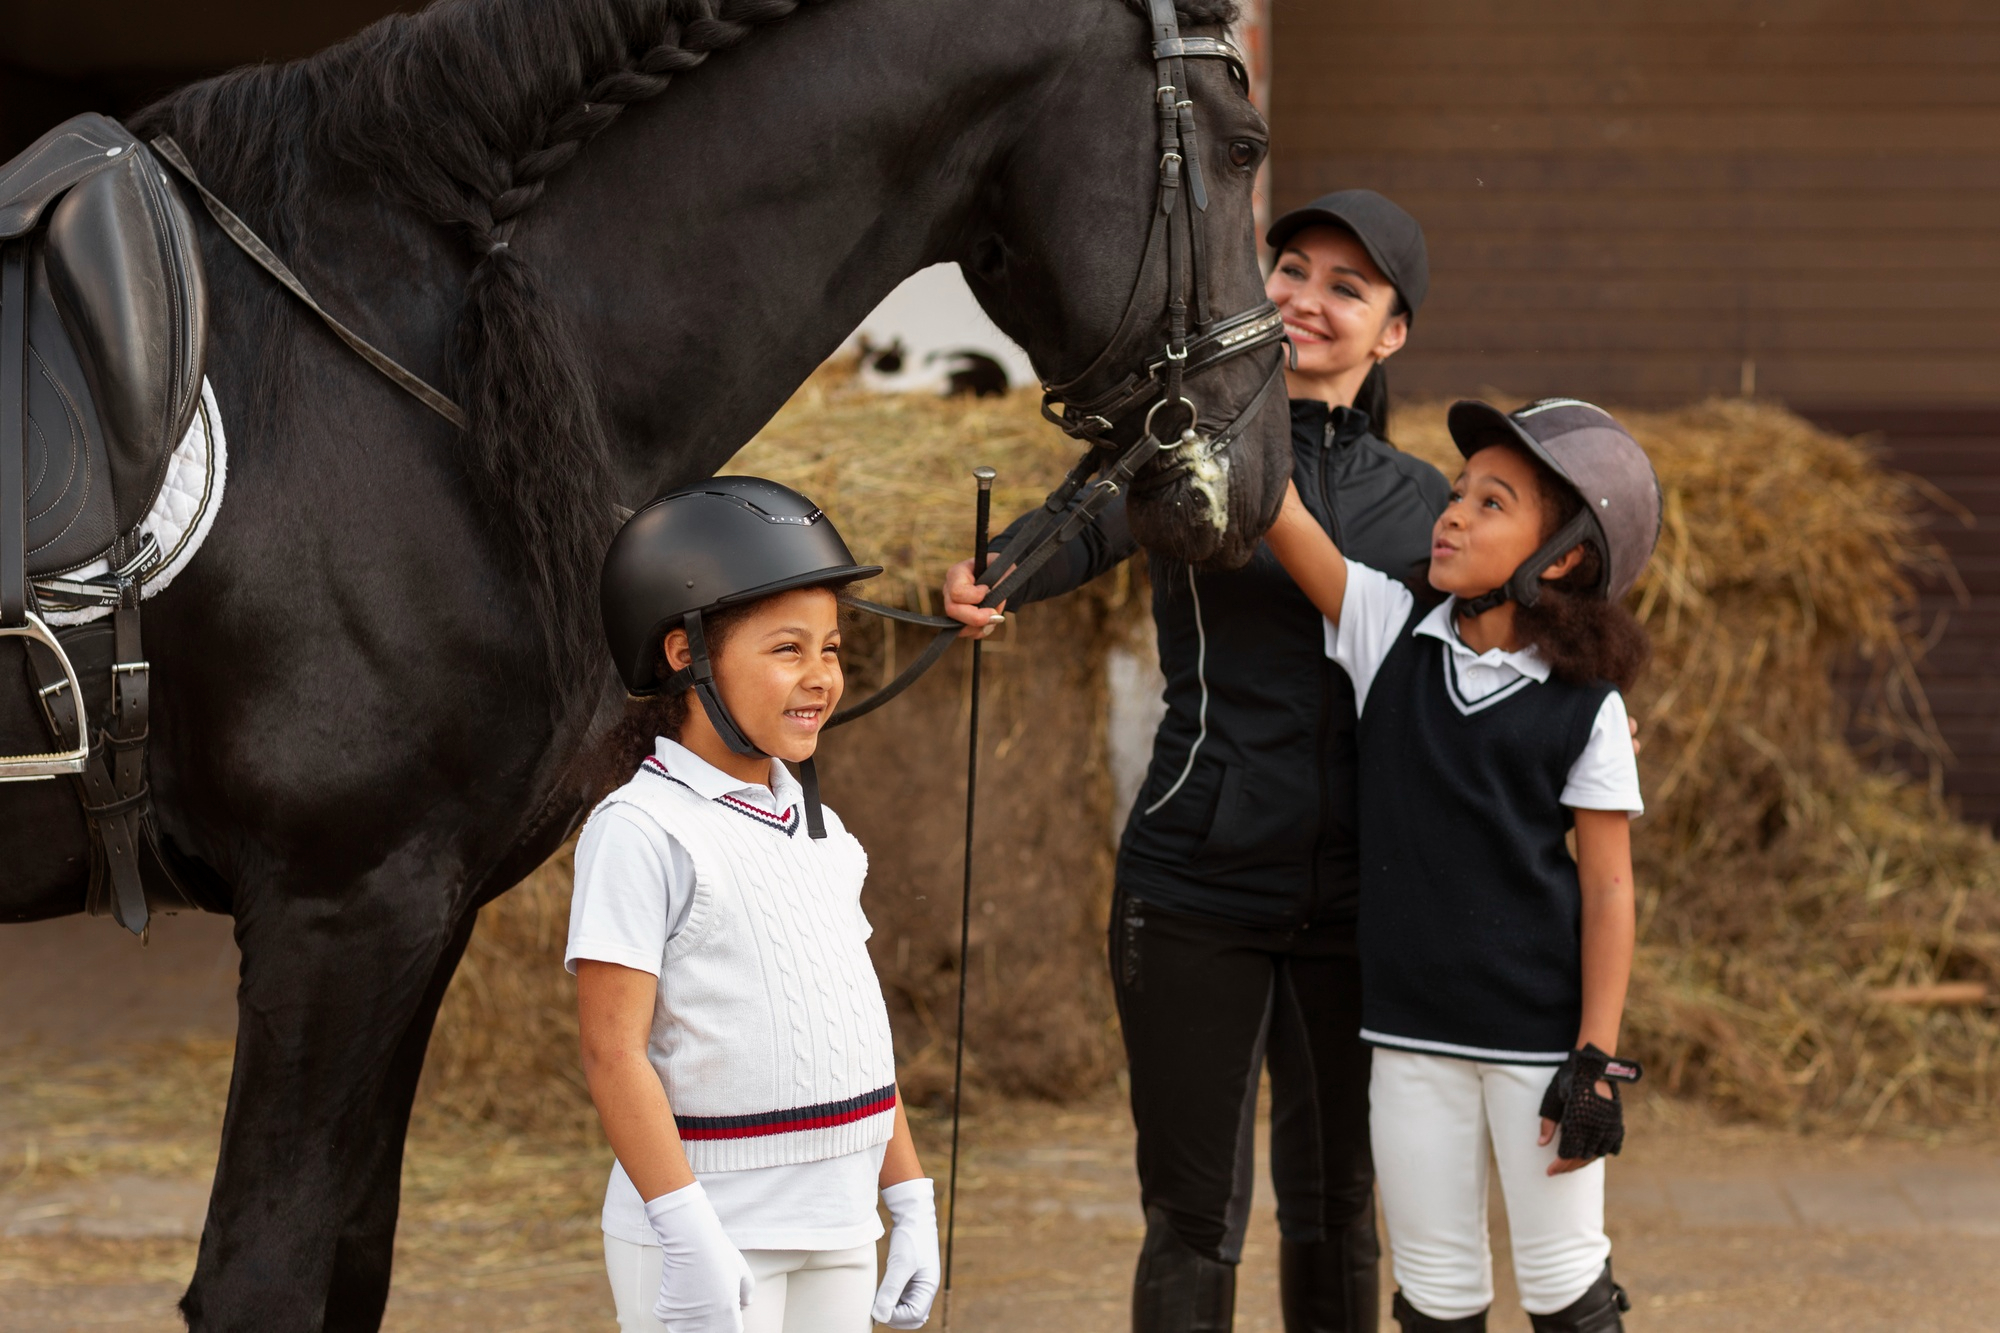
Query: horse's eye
{"points": [[1245, 153]]}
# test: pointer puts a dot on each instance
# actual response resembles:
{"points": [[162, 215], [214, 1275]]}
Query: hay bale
{"points": [[1787, 885], [505, 1046]]}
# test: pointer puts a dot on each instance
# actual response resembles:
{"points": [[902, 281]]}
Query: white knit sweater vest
{"points": [[769, 1031]]}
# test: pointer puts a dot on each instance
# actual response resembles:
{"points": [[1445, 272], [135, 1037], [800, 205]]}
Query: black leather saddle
{"points": [[103, 333], [116, 315]]}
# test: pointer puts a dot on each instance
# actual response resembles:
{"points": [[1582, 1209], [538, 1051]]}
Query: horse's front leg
{"points": [[334, 1007], [367, 1242]]}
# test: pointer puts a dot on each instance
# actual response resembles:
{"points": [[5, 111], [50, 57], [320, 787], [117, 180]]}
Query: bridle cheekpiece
{"points": [[1192, 349]]}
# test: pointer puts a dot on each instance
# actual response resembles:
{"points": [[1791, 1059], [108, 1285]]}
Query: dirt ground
{"points": [[111, 1102]]}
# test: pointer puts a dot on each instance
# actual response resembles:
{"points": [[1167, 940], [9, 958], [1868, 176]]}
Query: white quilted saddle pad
{"points": [[182, 513]]}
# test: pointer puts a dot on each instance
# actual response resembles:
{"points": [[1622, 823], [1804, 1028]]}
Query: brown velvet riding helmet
{"points": [[1586, 447]]}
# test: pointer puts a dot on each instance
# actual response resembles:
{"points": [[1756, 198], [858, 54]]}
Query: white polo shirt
{"points": [[634, 885], [1604, 777]]}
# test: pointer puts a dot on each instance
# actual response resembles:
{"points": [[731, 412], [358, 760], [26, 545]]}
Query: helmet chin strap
{"points": [[1524, 585], [699, 675]]}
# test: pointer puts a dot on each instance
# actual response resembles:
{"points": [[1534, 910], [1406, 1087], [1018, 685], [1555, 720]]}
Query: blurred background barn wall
{"points": [[1644, 204]]}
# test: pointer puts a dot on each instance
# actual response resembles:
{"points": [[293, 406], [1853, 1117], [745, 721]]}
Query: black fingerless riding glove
{"points": [[1592, 1125]]}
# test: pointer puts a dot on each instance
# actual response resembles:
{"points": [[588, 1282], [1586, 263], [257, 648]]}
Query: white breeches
{"points": [[798, 1291], [1433, 1120]]}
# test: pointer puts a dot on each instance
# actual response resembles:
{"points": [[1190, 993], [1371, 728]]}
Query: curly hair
{"points": [[1583, 636]]}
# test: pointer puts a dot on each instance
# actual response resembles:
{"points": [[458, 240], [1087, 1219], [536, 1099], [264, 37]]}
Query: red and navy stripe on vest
{"points": [[786, 822], [823, 1116]]}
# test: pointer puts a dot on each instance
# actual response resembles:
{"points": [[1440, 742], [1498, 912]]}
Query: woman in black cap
{"points": [[1232, 932]]}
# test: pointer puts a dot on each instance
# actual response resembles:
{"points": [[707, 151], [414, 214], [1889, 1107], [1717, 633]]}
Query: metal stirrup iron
{"points": [[983, 516]]}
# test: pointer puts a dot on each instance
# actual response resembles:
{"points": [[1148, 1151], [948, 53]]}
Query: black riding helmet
{"points": [[720, 543]]}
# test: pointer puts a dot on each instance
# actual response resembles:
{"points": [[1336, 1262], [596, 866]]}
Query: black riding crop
{"points": [[982, 515]]}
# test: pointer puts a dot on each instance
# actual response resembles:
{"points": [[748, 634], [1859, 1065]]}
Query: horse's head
{"points": [[1100, 218]]}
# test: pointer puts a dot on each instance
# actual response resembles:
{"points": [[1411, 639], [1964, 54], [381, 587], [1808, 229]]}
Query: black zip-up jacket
{"points": [[1247, 814]]}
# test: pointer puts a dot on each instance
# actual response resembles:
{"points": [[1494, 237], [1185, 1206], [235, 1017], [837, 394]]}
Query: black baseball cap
{"points": [[1391, 237]]}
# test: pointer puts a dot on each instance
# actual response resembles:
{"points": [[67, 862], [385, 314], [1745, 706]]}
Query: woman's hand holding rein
{"points": [[962, 597]]}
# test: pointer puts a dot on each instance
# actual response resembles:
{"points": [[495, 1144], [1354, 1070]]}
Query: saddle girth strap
{"points": [[124, 743], [13, 434], [112, 789]]}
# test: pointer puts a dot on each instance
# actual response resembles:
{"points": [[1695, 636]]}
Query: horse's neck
{"points": [[717, 245]]}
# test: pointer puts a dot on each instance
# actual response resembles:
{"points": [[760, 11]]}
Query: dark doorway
{"points": [[62, 57]]}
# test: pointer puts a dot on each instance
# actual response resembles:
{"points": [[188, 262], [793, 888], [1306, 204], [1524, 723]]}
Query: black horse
{"points": [[380, 695]]}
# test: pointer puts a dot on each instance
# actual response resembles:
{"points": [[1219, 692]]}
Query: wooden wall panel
{"points": [[1646, 203]]}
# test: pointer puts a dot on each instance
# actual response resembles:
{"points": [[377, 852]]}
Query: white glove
{"points": [[704, 1284], [910, 1278]]}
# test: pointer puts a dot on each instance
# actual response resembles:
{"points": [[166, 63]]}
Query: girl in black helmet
{"points": [[734, 1035], [1493, 964], [1232, 934]]}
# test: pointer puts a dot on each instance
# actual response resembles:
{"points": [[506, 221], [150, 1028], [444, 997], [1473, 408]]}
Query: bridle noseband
{"points": [[1191, 349]]}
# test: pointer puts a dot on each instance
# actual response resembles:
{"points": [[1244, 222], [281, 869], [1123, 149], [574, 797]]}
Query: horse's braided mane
{"points": [[461, 113]]}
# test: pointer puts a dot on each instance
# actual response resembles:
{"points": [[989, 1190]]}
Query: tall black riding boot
{"points": [[1413, 1320], [1178, 1289], [1596, 1311], [1331, 1286]]}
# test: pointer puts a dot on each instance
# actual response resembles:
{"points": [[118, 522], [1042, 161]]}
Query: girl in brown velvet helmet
{"points": [[1493, 964]]}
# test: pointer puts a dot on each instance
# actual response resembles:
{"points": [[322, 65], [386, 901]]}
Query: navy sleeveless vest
{"points": [[1471, 912]]}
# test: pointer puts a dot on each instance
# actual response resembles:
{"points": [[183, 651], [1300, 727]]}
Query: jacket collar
{"points": [[1349, 423]]}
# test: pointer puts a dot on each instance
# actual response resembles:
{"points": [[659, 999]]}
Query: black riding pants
{"points": [[1205, 1006]]}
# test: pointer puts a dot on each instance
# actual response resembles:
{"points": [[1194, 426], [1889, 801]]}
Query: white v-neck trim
{"points": [[777, 805], [1526, 666]]}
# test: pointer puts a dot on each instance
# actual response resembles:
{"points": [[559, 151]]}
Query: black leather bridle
{"points": [[1093, 414], [1159, 383]]}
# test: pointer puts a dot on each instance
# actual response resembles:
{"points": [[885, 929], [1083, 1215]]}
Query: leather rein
{"points": [[1106, 469]]}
